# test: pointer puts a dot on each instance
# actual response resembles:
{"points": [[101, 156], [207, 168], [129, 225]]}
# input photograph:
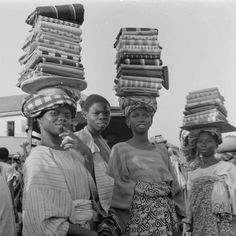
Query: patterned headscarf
{"points": [[128, 104], [190, 141], [34, 104]]}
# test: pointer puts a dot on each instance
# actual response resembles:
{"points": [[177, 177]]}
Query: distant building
{"points": [[12, 123]]}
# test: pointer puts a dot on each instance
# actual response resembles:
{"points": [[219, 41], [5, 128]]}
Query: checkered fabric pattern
{"points": [[34, 104]]}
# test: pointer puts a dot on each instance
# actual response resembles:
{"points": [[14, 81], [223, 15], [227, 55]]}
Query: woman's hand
{"points": [[70, 140]]}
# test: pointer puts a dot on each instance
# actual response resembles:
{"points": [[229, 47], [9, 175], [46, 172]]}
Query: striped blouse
{"points": [[53, 179]]}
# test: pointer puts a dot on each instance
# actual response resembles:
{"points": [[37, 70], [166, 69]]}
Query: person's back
{"points": [[7, 217]]}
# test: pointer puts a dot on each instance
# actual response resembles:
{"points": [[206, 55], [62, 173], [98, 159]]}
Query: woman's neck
{"points": [[141, 140], [208, 161], [51, 141]]}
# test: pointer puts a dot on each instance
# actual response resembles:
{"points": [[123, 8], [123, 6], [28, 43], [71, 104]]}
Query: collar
{"points": [[87, 138]]}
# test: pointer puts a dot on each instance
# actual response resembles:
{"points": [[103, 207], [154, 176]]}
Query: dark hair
{"points": [[91, 99], [4, 153]]}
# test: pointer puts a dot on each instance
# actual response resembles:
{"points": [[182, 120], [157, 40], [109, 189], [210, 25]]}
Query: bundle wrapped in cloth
{"points": [[140, 70], [52, 50], [205, 108]]}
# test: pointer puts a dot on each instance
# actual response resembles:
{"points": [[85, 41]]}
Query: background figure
{"points": [[227, 149], [146, 192], [211, 188], [7, 217]]}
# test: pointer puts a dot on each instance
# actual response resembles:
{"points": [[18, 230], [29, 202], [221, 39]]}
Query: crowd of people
{"points": [[72, 183]]}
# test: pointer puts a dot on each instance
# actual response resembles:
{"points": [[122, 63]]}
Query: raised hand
{"points": [[70, 140]]}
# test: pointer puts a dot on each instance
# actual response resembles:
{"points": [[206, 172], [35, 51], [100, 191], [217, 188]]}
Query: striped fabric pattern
{"points": [[61, 33], [57, 21], [139, 83], [203, 93], [53, 180], [130, 61], [206, 97], [57, 26], [103, 181]]}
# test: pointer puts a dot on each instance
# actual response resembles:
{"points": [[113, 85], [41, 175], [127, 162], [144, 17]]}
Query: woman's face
{"points": [[139, 120], [206, 144], [98, 117], [56, 121]]}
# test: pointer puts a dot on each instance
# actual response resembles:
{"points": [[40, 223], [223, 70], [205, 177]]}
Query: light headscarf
{"points": [[34, 104], [128, 104]]}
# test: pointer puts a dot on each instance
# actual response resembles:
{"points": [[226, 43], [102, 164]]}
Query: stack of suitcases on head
{"points": [[138, 62], [52, 50], [205, 107]]}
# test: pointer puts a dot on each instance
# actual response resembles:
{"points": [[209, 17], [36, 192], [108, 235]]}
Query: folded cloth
{"points": [[206, 112], [136, 31], [203, 92], [137, 49], [222, 109], [204, 121], [56, 69], [72, 12], [130, 61], [137, 83], [124, 55], [51, 52], [46, 22], [128, 91], [127, 38], [137, 93], [139, 78], [205, 116], [39, 35], [53, 45], [139, 42], [214, 101], [206, 97], [38, 57], [34, 104], [141, 72], [61, 33]]}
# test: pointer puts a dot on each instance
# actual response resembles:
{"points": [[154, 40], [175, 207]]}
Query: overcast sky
{"points": [[198, 40]]}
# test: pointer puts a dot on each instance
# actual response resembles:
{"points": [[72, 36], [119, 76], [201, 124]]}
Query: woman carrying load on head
{"points": [[146, 195], [211, 208], [60, 195]]}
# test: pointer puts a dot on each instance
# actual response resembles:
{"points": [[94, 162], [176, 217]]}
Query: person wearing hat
{"points": [[146, 198], [211, 187], [60, 195]]}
